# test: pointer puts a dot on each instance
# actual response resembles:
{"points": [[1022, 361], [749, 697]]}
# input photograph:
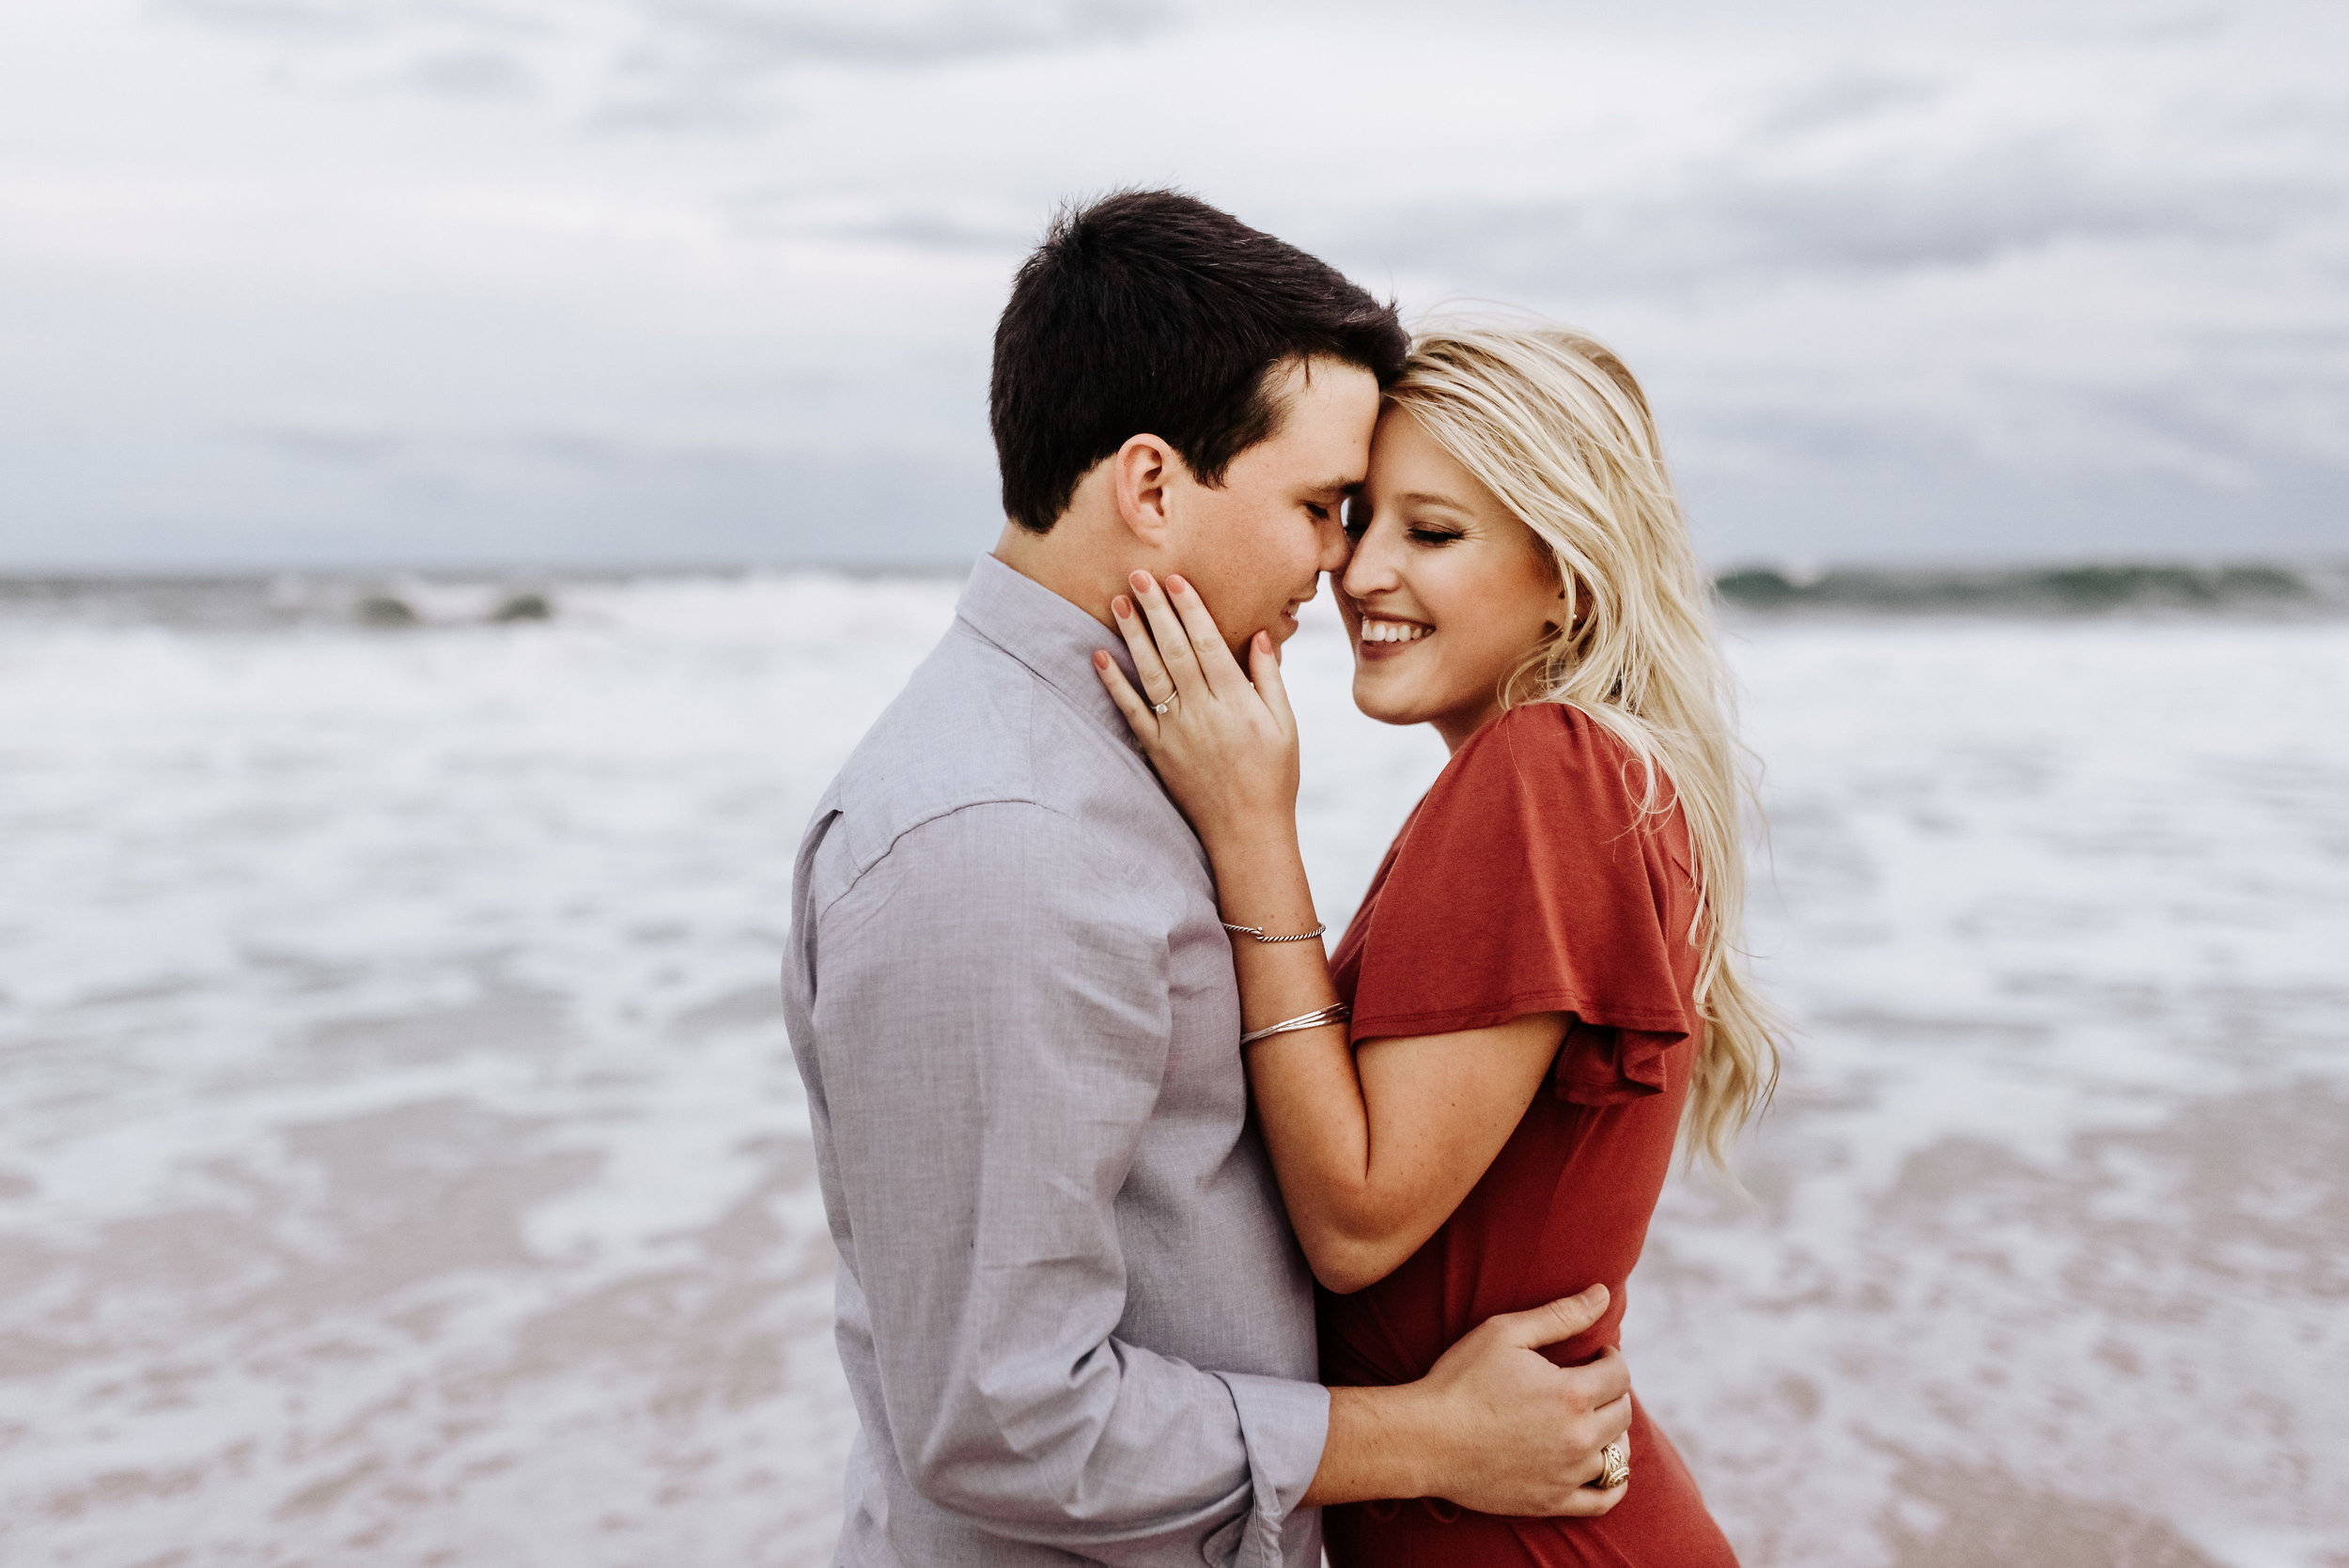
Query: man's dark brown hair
{"points": [[1150, 311]]}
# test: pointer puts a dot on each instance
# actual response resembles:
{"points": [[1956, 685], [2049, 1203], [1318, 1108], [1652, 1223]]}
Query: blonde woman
{"points": [[1472, 1106]]}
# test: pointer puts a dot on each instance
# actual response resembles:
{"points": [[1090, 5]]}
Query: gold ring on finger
{"points": [[1617, 1463]]}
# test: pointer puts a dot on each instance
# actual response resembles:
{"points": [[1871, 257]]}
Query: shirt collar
{"points": [[1047, 633]]}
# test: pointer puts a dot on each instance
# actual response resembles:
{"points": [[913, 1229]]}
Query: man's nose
{"points": [[1336, 548]]}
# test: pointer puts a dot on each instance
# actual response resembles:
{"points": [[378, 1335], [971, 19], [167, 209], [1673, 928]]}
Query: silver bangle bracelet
{"points": [[1337, 1012], [1257, 932]]}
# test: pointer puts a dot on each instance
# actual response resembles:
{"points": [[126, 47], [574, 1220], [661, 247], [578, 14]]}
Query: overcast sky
{"points": [[319, 282]]}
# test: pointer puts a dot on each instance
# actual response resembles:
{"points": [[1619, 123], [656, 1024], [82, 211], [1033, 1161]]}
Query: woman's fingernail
{"points": [[1122, 607], [1177, 585], [1100, 661], [1139, 580]]}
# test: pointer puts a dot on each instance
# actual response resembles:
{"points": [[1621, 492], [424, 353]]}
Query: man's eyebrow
{"points": [[1334, 486]]}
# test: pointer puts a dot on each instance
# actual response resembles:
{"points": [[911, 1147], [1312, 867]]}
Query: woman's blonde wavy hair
{"points": [[1554, 425]]}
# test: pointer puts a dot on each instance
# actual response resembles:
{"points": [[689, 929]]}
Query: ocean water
{"points": [[402, 1161]]}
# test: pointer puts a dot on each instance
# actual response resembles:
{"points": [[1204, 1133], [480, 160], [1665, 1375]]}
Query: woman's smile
{"points": [[1436, 552], [1383, 637]]}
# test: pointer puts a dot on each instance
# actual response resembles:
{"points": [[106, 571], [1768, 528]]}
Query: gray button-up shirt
{"points": [[1073, 1317]]}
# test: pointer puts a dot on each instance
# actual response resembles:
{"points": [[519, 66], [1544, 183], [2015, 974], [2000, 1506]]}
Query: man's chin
{"points": [[1280, 629]]}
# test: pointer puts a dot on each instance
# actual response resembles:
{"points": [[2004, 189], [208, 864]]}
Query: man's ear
{"points": [[1141, 475]]}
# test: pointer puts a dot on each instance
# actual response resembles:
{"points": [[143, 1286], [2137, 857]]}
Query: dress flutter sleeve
{"points": [[1530, 881]]}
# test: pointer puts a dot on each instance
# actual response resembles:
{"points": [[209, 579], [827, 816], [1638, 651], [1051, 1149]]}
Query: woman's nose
{"points": [[1369, 570]]}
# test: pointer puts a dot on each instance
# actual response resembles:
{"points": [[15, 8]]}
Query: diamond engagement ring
{"points": [[1159, 708], [1617, 1465]]}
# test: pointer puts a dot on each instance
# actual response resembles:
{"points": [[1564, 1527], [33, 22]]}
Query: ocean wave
{"points": [[2103, 587], [396, 602]]}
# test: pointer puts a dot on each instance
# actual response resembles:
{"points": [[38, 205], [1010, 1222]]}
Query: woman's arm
{"points": [[1375, 1148]]}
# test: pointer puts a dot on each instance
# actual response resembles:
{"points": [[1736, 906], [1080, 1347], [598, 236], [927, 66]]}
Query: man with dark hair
{"points": [[1073, 1317], [1150, 311]]}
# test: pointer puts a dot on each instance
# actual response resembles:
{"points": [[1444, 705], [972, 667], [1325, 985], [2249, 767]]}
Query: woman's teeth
{"points": [[1393, 631]]}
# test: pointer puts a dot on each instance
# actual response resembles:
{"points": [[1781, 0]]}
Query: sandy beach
{"points": [[402, 1162]]}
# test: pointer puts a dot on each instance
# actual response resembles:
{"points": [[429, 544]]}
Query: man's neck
{"points": [[1078, 568]]}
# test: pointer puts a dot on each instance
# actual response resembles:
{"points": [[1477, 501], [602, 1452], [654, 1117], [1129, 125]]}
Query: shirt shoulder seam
{"points": [[850, 885]]}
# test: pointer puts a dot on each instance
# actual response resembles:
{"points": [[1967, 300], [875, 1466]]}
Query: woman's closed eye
{"points": [[1433, 534]]}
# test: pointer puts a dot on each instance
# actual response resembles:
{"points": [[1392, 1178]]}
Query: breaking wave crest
{"points": [[2087, 588], [391, 602]]}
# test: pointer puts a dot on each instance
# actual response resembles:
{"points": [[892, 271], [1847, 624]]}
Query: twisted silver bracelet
{"points": [[1257, 932], [1337, 1012]]}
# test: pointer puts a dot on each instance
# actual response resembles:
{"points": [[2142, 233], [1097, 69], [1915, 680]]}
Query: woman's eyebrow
{"points": [[1428, 498]]}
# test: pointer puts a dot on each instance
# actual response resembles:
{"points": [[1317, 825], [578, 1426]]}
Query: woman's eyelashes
{"points": [[1423, 534]]}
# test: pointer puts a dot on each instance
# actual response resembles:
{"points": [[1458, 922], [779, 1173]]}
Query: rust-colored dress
{"points": [[1527, 882]]}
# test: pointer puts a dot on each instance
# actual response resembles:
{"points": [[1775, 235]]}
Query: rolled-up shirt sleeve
{"points": [[995, 1021]]}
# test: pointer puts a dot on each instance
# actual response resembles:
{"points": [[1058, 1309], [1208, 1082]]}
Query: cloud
{"points": [[1741, 222], [697, 63], [579, 451], [336, 448], [682, 63], [342, 21], [470, 74], [921, 32], [299, 21], [1841, 100], [456, 496], [944, 225]]}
